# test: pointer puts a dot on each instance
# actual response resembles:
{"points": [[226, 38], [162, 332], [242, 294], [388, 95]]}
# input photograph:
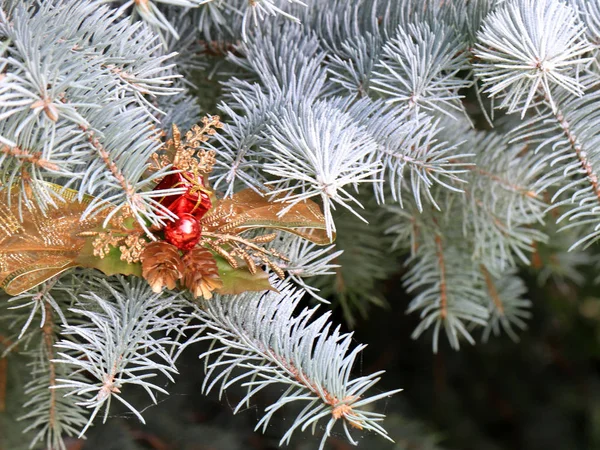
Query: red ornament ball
{"points": [[184, 233], [194, 201]]}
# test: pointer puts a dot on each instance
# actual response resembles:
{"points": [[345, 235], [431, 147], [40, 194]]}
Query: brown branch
{"points": [[512, 187], [110, 164], [341, 409], [4, 372], [340, 282], [581, 154], [491, 287], [219, 48], [32, 158], [415, 231], [536, 258], [48, 341], [3, 382], [109, 386], [443, 282], [48, 336]]}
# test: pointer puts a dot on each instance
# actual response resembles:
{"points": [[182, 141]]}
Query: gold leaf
{"points": [[248, 209], [240, 279]]}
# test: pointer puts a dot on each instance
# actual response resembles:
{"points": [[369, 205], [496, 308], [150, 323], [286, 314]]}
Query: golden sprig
{"points": [[235, 248], [129, 241], [132, 248], [104, 241], [187, 154], [200, 134]]}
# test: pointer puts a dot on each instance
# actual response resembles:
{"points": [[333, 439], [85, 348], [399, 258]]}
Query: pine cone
{"points": [[161, 265], [201, 275]]}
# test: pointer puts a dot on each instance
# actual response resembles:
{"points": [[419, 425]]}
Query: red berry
{"points": [[184, 233]]}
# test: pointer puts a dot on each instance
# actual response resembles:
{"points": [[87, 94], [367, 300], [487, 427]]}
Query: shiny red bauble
{"points": [[184, 233], [194, 201]]}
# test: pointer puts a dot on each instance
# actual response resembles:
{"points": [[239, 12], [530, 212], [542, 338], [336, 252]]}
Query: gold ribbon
{"points": [[36, 245]]}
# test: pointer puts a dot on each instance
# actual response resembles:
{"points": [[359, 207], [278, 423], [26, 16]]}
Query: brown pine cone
{"points": [[161, 265], [201, 275]]}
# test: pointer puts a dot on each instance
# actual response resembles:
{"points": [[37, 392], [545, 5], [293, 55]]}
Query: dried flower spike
{"points": [[133, 248]]}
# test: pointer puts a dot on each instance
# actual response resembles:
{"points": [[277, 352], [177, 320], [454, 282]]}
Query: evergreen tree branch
{"points": [[528, 46], [72, 114], [419, 69], [506, 307], [126, 328], [565, 145], [257, 342], [48, 415]]}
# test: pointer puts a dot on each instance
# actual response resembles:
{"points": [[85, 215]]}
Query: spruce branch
{"points": [[306, 261], [71, 115], [238, 145], [566, 146], [300, 72], [352, 66], [129, 336], [39, 302], [243, 19], [554, 264], [258, 10], [366, 262], [257, 341], [151, 13], [420, 67], [589, 13], [318, 151], [268, 84], [528, 47], [411, 145], [49, 416], [50, 428], [448, 295], [469, 15], [501, 209], [507, 307]]}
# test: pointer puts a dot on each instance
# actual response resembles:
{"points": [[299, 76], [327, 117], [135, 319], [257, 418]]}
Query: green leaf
{"points": [[111, 264], [236, 281]]}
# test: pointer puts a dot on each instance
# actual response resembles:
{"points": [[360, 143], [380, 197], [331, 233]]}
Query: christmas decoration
{"points": [[183, 233], [221, 222], [193, 165], [201, 274], [188, 155], [207, 235], [195, 200], [161, 265], [132, 248]]}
